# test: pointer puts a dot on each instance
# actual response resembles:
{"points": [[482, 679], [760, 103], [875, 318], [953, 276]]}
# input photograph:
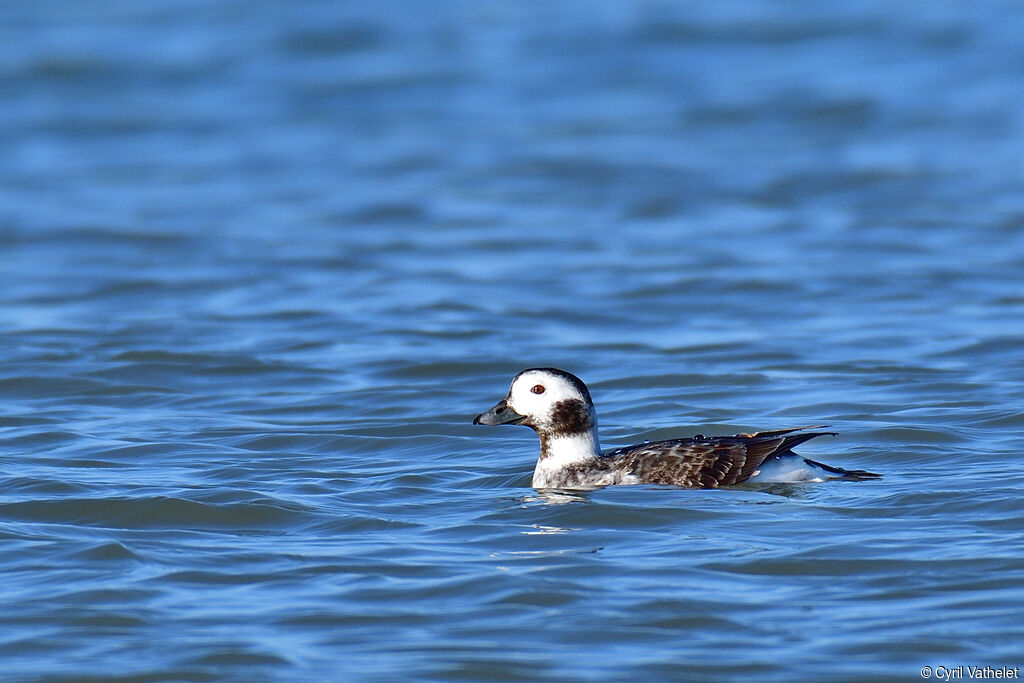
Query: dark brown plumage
{"points": [[707, 462], [571, 417]]}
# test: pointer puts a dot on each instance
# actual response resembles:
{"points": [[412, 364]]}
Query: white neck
{"points": [[563, 452]]}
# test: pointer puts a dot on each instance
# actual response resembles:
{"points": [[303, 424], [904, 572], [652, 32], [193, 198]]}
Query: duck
{"points": [[557, 405]]}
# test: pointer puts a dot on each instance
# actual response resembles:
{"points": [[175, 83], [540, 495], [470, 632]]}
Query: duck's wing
{"points": [[707, 462], [780, 432]]}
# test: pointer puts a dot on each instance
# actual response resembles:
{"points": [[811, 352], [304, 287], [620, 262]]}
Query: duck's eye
{"points": [[538, 389]]}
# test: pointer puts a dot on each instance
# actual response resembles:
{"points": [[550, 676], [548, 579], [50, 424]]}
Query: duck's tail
{"points": [[840, 473], [792, 440]]}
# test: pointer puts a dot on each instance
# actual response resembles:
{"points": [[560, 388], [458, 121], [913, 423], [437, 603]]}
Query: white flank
{"points": [[789, 469]]}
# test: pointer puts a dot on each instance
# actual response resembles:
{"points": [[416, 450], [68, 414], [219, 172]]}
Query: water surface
{"points": [[262, 264]]}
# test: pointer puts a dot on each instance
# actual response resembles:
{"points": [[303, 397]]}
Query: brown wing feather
{"points": [[707, 462], [780, 432]]}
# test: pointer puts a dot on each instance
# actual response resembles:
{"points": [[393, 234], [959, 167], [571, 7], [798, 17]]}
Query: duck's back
{"points": [[700, 462]]}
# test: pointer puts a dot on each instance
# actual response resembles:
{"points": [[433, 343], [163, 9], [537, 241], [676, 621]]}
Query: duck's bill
{"points": [[500, 414]]}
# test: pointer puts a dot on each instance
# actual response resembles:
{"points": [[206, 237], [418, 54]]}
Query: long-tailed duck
{"points": [[557, 405]]}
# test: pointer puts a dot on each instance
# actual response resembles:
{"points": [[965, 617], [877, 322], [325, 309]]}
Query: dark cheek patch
{"points": [[570, 417]]}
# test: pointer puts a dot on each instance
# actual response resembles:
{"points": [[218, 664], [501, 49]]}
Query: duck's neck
{"points": [[564, 451]]}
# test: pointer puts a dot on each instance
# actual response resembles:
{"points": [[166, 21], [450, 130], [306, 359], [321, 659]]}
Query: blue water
{"points": [[261, 264]]}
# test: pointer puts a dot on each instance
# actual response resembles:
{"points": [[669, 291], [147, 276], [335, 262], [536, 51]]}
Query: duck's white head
{"points": [[554, 403]]}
